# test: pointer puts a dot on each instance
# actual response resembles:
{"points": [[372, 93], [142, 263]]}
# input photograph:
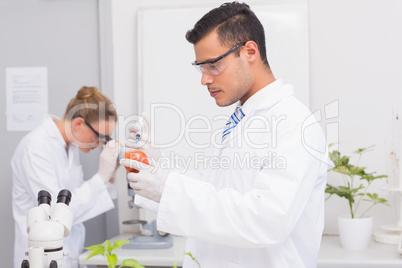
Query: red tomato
{"points": [[138, 156]]}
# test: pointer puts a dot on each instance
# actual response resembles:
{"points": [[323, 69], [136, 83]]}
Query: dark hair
{"points": [[235, 23], [92, 105]]}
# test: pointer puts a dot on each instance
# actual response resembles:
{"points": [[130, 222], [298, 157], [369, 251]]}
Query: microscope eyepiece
{"points": [[64, 196], [44, 197]]}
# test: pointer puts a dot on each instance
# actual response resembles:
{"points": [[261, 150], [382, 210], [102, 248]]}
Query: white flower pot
{"points": [[355, 234]]}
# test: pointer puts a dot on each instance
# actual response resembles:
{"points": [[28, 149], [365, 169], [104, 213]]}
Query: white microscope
{"points": [[45, 233]]}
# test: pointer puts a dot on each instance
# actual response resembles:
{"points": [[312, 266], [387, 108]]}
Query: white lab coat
{"points": [[43, 161], [261, 207]]}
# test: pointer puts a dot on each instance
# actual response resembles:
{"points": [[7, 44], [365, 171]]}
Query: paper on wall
{"points": [[26, 97]]}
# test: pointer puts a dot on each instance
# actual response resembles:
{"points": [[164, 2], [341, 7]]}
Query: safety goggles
{"points": [[101, 137], [215, 66]]}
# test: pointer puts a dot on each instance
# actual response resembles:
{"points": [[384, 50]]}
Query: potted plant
{"points": [[355, 228]]}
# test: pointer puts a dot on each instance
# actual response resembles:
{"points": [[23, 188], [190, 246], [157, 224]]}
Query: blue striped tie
{"points": [[232, 122]]}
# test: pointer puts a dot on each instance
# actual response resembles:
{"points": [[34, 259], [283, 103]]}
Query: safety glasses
{"points": [[102, 138], [215, 66]]}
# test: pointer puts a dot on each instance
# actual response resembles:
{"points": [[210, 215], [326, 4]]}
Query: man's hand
{"points": [[149, 182]]}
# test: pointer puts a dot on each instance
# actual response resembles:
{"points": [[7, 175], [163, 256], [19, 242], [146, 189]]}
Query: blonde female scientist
{"points": [[47, 158]]}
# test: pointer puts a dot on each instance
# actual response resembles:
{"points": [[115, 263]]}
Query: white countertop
{"points": [[378, 255], [331, 255]]}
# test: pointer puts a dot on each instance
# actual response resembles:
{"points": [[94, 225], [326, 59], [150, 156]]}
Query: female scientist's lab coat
{"points": [[43, 161], [260, 201]]}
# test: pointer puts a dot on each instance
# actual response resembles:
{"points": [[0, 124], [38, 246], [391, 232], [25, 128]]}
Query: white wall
{"points": [[355, 58]]}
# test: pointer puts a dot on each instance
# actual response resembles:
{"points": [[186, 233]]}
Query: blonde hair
{"points": [[92, 105]]}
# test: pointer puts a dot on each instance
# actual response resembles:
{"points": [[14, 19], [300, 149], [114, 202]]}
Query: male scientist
{"points": [[262, 214]]}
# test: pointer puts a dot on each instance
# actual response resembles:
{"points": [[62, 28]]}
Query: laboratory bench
{"points": [[377, 255], [331, 255]]}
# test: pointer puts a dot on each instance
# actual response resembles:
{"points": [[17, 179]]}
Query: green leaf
{"points": [[118, 243], [92, 254], [376, 200], [332, 144], [383, 201], [356, 170], [131, 263], [334, 156], [112, 259], [342, 169], [96, 250], [344, 160], [349, 170], [363, 150], [370, 177], [108, 246], [344, 191]]}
